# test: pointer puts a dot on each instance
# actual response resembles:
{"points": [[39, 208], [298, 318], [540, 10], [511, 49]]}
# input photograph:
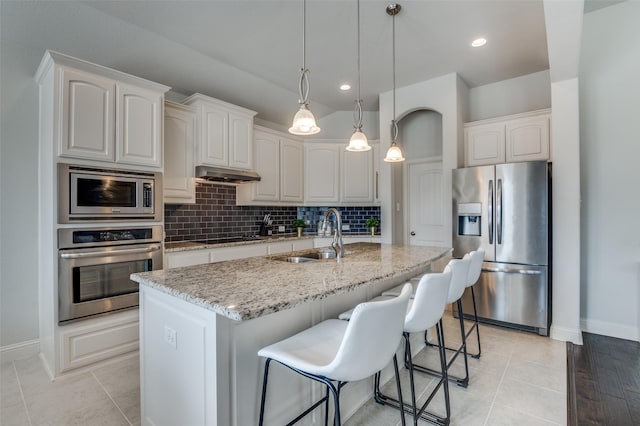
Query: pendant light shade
{"points": [[358, 141], [304, 123], [394, 153]]}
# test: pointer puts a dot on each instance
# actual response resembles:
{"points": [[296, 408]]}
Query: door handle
{"points": [[413, 234], [490, 211], [114, 252], [499, 211], [513, 271]]}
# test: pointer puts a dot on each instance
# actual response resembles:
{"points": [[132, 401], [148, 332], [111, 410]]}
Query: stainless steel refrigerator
{"points": [[505, 211]]}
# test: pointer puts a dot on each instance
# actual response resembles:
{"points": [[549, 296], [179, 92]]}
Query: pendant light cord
{"points": [[358, 110], [304, 77], [394, 129]]}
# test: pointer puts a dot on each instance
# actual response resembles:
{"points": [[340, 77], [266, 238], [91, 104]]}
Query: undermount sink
{"points": [[307, 257]]}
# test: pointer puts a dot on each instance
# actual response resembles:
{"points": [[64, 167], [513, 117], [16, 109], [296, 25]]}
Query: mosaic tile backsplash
{"points": [[216, 216]]}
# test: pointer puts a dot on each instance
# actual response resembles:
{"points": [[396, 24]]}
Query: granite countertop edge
{"points": [[199, 291]]}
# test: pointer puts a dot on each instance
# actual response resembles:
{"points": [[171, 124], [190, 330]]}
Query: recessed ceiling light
{"points": [[479, 42], [345, 87]]}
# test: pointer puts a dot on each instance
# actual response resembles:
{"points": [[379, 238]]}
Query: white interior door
{"points": [[425, 203]]}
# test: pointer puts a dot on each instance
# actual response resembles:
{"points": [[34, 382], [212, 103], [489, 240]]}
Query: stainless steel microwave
{"points": [[91, 194]]}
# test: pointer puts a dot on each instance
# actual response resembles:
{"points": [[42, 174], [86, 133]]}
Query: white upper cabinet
{"points": [[356, 177], [139, 126], [279, 161], [291, 171], [179, 146], [224, 135], [322, 172], [87, 122], [101, 114], [527, 139], [520, 137], [484, 144], [335, 176]]}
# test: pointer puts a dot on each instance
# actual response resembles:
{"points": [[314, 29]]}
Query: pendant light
{"points": [[304, 123], [394, 154], [358, 141]]}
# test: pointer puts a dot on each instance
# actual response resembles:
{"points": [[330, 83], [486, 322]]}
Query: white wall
{"points": [[610, 178], [521, 94], [19, 194], [440, 94]]}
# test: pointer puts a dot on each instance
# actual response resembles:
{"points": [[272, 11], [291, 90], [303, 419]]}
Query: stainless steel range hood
{"points": [[220, 174]]}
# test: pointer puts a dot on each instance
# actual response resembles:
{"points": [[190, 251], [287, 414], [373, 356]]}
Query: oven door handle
{"points": [[152, 248]]}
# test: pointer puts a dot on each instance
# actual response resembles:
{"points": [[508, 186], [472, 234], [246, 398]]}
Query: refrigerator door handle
{"points": [[490, 211], [513, 271], [499, 211]]}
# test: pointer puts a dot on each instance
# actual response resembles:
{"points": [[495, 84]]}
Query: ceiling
{"points": [[250, 52]]}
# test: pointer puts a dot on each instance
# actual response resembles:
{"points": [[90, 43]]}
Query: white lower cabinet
{"points": [[98, 339], [221, 254]]}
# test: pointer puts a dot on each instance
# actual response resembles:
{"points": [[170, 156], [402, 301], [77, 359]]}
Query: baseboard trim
{"points": [[19, 350], [611, 329], [565, 334]]}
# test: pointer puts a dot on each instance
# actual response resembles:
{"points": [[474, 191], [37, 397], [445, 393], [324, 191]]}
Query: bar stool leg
{"points": [[264, 390], [397, 374], [476, 324], [465, 381]]}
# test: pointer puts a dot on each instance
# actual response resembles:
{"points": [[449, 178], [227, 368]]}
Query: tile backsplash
{"points": [[215, 216], [355, 217]]}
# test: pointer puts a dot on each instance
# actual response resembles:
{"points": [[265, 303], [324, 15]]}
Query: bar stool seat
{"points": [[331, 351], [423, 312]]}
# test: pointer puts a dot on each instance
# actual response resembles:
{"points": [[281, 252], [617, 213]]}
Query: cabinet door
{"points": [[240, 141], [484, 145], [356, 177], [139, 126], [214, 137], [179, 145], [267, 154], [87, 116], [291, 171], [322, 173], [527, 139]]}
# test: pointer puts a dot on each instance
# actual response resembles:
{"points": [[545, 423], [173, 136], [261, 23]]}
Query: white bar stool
{"points": [[459, 275], [332, 350], [425, 310]]}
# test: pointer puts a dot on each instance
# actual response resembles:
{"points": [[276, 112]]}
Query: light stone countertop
{"points": [[244, 289]]}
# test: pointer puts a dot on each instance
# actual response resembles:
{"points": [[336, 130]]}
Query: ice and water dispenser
{"points": [[469, 217]]}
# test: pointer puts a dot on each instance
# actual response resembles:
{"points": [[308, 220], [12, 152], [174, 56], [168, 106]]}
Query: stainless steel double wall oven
{"points": [[96, 259]]}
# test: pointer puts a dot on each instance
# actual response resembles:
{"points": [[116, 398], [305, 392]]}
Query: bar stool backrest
{"points": [[429, 301], [371, 339], [475, 267], [459, 274]]}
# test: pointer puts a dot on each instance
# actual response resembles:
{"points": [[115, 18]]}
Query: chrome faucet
{"points": [[336, 244]]}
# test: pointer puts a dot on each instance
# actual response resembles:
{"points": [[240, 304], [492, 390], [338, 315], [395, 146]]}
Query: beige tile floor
{"points": [[519, 380]]}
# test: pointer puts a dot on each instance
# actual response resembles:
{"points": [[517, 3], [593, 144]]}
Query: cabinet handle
{"points": [[376, 185]]}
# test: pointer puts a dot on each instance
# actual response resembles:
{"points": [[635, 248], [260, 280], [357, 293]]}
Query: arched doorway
{"points": [[418, 184]]}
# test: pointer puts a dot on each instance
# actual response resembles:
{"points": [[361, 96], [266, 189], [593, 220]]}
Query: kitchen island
{"points": [[201, 327]]}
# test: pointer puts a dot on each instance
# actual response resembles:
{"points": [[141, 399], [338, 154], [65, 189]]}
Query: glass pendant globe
{"points": [[304, 123], [358, 142], [394, 154]]}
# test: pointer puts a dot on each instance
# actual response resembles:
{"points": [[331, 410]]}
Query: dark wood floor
{"points": [[603, 381]]}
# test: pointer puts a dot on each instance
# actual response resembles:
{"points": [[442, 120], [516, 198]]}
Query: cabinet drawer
{"points": [[98, 339]]}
